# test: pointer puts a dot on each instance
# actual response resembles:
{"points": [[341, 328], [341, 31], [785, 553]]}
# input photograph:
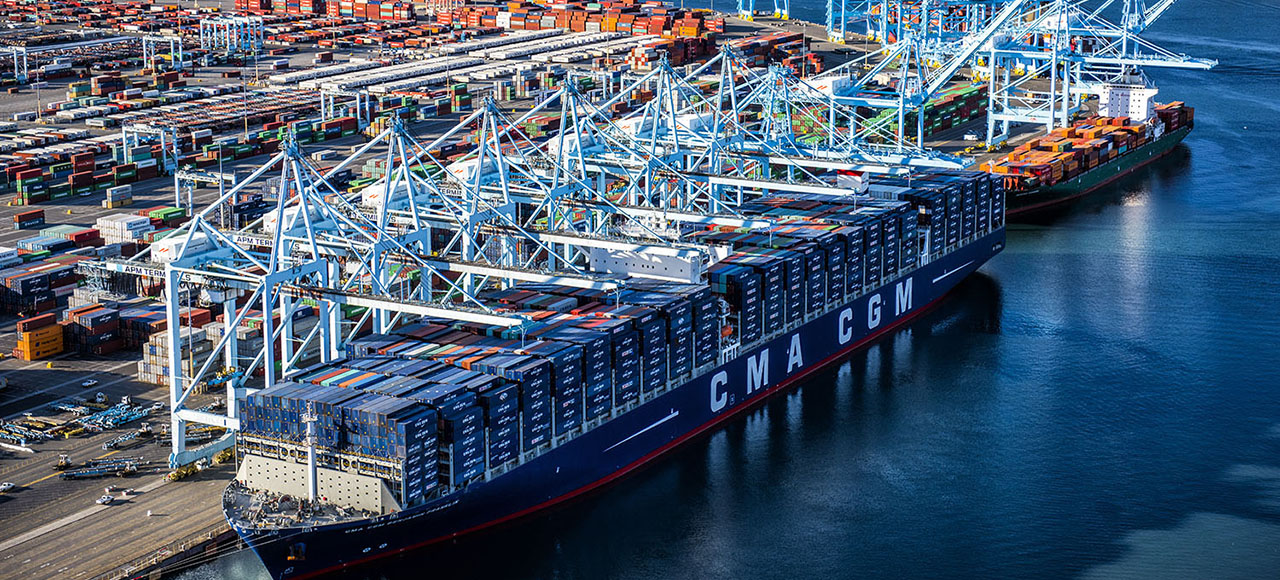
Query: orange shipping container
{"points": [[42, 333], [41, 345]]}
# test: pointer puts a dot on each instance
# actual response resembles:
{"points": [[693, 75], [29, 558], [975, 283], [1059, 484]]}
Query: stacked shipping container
{"points": [[1066, 153], [955, 106], [38, 337], [92, 329], [588, 355]]}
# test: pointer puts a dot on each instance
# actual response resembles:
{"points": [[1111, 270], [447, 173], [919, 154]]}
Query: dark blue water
{"points": [[1102, 401]]}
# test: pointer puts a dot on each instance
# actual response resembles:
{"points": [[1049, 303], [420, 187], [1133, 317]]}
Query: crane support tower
{"points": [[151, 46], [21, 72], [747, 9], [232, 34]]}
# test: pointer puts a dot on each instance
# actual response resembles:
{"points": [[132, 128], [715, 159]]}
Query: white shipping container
{"points": [[292, 219], [168, 249]]}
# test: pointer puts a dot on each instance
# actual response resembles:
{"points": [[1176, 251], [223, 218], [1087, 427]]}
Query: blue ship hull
{"points": [[629, 441]]}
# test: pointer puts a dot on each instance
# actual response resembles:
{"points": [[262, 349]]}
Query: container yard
{"points": [[238, 265]]}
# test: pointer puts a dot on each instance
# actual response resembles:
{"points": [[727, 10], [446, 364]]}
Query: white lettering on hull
{"points": [[844, 328], [794, 358], [757, 371], [903, 292], [719, 398]]}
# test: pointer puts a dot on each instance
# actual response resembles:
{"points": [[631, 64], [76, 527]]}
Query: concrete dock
{"points": [[51, 527]]}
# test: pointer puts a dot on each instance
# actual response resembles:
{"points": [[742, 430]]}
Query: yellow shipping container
{"points": [[41, 343], [32, 354], [42, 333]]}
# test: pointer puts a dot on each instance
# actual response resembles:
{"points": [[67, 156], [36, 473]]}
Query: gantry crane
{"points": [[580, 208]]}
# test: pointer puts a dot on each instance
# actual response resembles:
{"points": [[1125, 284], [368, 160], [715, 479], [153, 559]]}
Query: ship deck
{"points": [[255, 508]]}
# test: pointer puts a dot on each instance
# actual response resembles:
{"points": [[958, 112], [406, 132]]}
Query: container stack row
{"points": [[118, 196], [1068, 152], [345, 31], [225, 111], [789, 49], [39, 337], [35, 181], [46, 170], [630, 18], [194, 349], [121, 228], [112, 100], [138, 323], [677, 51], [827, 249], [953, 107], [25, 220], [39, 285], [498, 396], [92, 329]]}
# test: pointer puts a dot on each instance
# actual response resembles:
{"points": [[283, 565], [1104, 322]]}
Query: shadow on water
{"points": [[664, 516], [1228, 543], [1126, 190]]}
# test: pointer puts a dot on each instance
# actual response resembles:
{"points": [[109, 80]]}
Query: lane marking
{"points": [[41, 479], [107, 454]]}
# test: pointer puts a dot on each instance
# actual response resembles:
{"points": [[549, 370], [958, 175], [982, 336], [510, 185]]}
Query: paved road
{"points": [[96, 539]]}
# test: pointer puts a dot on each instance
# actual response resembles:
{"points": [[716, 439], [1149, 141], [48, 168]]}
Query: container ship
{"points": [[439, 428], [1071, 162]]}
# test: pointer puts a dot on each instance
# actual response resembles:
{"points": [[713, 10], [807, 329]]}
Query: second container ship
{"points": [[440, 428], [1071, 162]]}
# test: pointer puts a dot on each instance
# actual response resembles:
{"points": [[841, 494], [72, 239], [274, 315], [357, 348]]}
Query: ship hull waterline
{"points": [[630, 440]]}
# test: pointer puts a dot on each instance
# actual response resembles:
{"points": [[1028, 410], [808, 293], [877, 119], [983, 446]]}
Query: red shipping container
{"points": [[196, 317], [81, 179], [37, 322], [84, 236], [104, 328], [107, 347], [29, 215]]}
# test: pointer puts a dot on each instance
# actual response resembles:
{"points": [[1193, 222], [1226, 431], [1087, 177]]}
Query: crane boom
{"points": [[971, 47]]}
